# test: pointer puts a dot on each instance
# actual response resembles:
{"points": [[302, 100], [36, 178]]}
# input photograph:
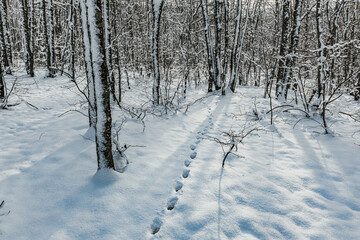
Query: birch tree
{"points": [[283, 45], [237, 50], [96, 47], [88, 62]]}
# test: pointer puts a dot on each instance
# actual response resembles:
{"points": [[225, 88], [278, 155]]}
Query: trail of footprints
{"points": [[171, 203]]}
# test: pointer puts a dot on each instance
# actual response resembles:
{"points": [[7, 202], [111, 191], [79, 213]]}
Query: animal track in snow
{"points": [[187, 163], [178, 185], [157, 222], [171, 203], [156, 225], [185, 173]]}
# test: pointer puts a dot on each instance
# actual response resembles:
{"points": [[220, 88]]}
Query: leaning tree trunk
{"points": [[157, 9], [96, 22]]}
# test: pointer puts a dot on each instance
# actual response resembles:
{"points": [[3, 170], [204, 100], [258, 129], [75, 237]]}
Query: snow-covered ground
{"points": [[287, 181]]}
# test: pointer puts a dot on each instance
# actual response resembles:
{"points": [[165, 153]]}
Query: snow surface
{"points": [[286, 182]]}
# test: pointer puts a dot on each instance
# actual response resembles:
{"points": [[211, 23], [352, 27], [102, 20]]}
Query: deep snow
{"points": [[287, 182]]}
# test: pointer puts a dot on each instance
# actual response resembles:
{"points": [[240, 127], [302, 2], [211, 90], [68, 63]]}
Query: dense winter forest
{"points": [[258, 99]]}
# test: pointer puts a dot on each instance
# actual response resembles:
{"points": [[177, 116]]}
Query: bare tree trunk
{"points": [[218, 28], [4, 38], [321, 61], [226, 46], [106, 13], [28, 53], [88, 62], [51, 36], [210, 52], [294, 40], [2, 83], [283, 44], [96, 26], [47, 42], [321, 49], [235, 47], [157, 10], [72, 40]]}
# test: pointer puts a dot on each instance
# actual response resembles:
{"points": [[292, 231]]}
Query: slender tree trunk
{"points": [[321, 49], [88, 62], [51, 36], [226, 46], [218, 29], [72, 40], [157, 10], [321, 61], [96, 28], [117, 54], [235, 47], [106, 13], [237, 66], [4, 38], [2, 83], [47, 41], [283, 44], [294, 40], [28, 53], [209, 48]]}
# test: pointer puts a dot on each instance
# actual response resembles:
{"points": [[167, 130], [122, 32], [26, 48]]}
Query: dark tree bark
{"points": [[321, 49], [29, 56], [226, 46], [2, 83], [4, 38], [218, 28], [47, 42], [92, 14], [157, 10]]}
